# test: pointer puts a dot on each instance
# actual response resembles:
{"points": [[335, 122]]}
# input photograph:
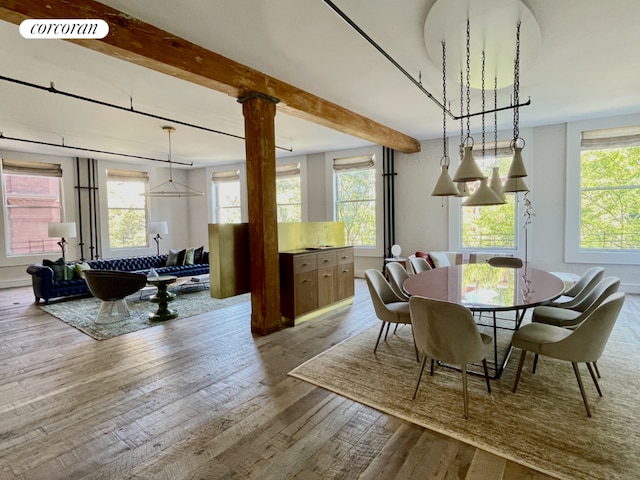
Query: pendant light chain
{"points": [[483, 104], [516, 87], [444, 102], [461, 115], [468, 80]]}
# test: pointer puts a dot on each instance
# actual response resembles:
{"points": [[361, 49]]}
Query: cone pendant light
{"points": [[483, 196], [444, 187], [495, 182], [468, 170], [516, 184], [517, 169], [463, 191]]}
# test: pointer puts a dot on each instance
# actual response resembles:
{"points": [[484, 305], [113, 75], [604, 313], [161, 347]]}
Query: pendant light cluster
{"points": [[488, 193]]}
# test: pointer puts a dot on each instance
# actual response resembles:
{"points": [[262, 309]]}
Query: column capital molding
{"points": [[253, 95]]}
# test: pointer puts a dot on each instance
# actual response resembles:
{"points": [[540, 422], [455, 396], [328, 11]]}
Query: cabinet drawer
{"points": [[344, 256], [326, 259], [305, 263]]}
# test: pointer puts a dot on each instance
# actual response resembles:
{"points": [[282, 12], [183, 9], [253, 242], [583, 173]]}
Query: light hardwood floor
{"points": [[202, 399]]}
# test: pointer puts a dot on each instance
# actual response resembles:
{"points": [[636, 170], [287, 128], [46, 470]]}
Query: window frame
{"points": [[281, 174], [573, 253], [455, 212], [214, 193], [144, 178], [55, 165]]}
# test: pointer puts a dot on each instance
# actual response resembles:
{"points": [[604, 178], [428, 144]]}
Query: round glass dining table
{"points": [[484, 288]]}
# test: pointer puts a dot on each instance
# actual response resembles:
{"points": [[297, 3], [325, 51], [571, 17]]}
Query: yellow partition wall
{"points": [[300, 235]]}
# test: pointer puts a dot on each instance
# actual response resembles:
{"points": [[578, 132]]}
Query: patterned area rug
{"points": [[82, 313], [543, 425]]}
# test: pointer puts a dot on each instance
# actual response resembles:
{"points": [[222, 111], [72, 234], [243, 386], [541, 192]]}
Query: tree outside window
{"points": [[226, 187], [610, 198], [288, 193], [127, 209], [355, 187]]}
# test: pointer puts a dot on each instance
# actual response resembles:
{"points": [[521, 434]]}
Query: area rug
{"points": [[82, 313], [543, 425]]}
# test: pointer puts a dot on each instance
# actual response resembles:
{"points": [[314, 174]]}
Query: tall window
{"points": [[610, 189], [226, 186], [490, 227], [127, 208], [32, 199], [288, 193], [355, 197]]}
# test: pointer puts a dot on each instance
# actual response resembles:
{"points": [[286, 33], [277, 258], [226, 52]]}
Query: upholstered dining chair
{"points": [[508, 262], [580, 289], [419, 264], [112, 286], [446, 332], [585, 344], [388, 306], [397, 274], [571, 317]]}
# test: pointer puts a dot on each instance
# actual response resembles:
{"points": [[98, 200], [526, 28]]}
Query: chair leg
{"points": [[486, 374], [584, 397], [520, 364], [535, 363], [595, 380], [464, 391], [379, 335], [595, 365], [387, 332], [424, 361]]}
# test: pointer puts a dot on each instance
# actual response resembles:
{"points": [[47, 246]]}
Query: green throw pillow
{"points": [[172, 258], [58, 268], [80, 268], [188, 256]]}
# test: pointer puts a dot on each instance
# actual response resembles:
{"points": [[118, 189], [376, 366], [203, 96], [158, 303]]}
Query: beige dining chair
{"points": [[389, 307], [585, 344], [446, 332], [397, 274], [580, 289], [419, 264]]}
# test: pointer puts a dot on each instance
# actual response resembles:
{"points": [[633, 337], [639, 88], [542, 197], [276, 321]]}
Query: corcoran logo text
{"points": [[64, 28]]}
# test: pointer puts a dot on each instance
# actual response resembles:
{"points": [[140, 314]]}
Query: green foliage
{"points": [[288, 197], [610, 199], [127, 214], [356, 205]]}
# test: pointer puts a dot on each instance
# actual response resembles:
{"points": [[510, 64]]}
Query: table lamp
{"points": [[62, 230], [156, 228]]}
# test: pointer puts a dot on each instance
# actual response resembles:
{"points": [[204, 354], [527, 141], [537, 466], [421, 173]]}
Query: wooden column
{"points": [[259, 112]]}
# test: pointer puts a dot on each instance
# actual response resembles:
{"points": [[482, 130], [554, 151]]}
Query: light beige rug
{"points": [[543, 426]]}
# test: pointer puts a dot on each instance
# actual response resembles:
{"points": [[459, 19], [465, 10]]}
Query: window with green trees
{"points": [[610, 191], [127, 208], [226, 197], [490, 227], [355, 199], [288, 193]]}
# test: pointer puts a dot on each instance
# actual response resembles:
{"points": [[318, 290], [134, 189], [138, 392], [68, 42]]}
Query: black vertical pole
{"points": [[94, 190], [91, 246], [79, 190]]}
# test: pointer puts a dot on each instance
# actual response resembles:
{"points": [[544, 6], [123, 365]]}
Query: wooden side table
{"points": [[162, 298]]}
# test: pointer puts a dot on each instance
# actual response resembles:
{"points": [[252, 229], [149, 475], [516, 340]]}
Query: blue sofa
{"points": [[45, 288]]}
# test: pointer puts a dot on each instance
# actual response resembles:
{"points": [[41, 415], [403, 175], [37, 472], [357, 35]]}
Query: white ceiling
{"points": [[586, 66]]}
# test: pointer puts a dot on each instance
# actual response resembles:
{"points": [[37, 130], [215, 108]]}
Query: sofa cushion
{"points": [[80, 268], [197, 255], [427, 257], [58, 268], [188, 256], [181, 255], [172, 258]]}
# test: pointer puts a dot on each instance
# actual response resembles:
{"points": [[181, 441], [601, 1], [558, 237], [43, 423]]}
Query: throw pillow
{"points": [[440, 259], [188, 256], [181, 255], [80, 268], [70, 272], [426, 256], [58, 268], [197, 255], [172, 258]]}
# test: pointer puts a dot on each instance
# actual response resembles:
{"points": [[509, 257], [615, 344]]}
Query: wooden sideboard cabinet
{"points": [[314, 279]]}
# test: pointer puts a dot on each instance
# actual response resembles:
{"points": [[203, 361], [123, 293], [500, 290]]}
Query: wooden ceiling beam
{"points": [[146, 45]]}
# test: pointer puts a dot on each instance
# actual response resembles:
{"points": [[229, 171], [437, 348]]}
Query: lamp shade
{"points": [[483, 196], [62, 229], [516, 169], [516, 184], [463, 191], [444, 187], [157, 227], [496, 183], [468, 170]]}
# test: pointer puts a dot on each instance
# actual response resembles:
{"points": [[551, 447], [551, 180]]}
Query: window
{"points": [[610, 189], [227, 206], [355, 197], [491, 227], [127, 208], [288, 193], [32, 199]]}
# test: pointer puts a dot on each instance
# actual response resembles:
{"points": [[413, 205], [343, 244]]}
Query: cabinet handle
{"points": [[327, 275], [345, 257]]}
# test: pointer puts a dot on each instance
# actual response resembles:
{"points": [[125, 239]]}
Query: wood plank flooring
{"points": [[202, 398]]}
